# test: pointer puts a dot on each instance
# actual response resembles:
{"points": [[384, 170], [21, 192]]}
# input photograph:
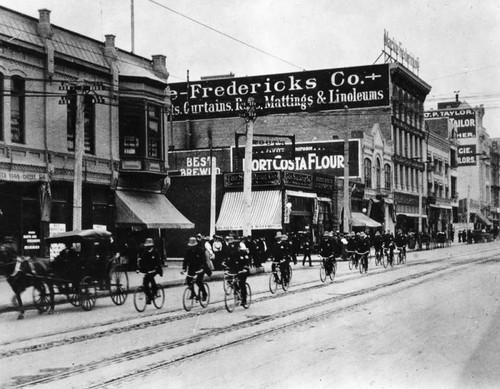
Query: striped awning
{"points": [[266, 211], [361, 220]]}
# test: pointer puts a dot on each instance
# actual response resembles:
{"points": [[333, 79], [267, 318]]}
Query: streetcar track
{"points": [[183, 315], [255, 321]]}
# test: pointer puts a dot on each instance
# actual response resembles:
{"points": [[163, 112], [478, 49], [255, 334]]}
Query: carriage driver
{"points": [[149, 263]]}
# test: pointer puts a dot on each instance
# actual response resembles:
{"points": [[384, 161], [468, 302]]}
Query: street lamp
{"points": [[249, 114]]}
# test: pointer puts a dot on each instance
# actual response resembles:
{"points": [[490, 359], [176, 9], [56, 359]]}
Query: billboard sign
{"points": [[464, 119], [306, 91], [197, 162], [466, 155], [313, 157]]}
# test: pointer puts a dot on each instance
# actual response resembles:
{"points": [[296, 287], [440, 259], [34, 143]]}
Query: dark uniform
{"points": [[149, 263], [281, 255], [195, 263], [307, 249], [238, 263]]}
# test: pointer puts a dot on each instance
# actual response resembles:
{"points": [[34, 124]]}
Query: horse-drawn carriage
{"points": [[85, 265]]}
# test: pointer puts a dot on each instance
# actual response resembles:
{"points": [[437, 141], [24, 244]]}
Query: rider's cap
{"points": [[192, 241], [149, 242]]}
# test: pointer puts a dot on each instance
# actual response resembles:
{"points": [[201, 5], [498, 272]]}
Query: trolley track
{"points": [[166, 317], [369, 293]]}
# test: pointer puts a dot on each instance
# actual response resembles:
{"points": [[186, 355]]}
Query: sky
{"points": [[456, 41]]}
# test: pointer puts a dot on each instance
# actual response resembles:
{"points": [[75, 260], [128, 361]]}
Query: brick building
{"points": [[44, 71]]}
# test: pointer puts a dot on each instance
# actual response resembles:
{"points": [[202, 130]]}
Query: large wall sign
{"points": [[197, 162], [307, 91], [466, 155], [465, 120], [313, 157]]}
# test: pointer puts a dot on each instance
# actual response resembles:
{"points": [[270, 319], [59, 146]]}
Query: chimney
{"points": [[44, 27], [109, 46], [160, 64]]}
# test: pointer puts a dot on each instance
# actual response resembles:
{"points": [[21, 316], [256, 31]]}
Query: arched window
{"points": [[387, 178], [17, 110], [368, 173], [378, 173]]}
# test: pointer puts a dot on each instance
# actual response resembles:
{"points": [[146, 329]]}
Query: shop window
{"points": [[368, 173], [17, 103], [89, 123], [387, 180]]}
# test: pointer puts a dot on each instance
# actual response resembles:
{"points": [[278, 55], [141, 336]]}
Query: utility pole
{"points": [[213, 172], [132, 26], [249, 115], [79, 145], [347, 193]]}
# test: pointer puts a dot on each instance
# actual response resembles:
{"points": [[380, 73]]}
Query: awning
{"points": [[412, 215], [483, 218], [147, 209], [295, 193], [266, 211], [361, 220], [442, 206]]}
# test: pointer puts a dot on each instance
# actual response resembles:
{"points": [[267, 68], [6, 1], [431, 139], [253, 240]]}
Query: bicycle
{"points": [[277, 278], [192, 293], [141, 297], [379, 255], [328, 268], [401, 255], [363, 261], [233, 298], [225, 282], [389, 257], [353, 261]]}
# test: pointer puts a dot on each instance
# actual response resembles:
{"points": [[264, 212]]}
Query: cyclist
{"points": [[401, 241], [378, 242], [388, 240], [149, 263], [238, 264], [363, 249], [351, 245], [307, 249], [194, 262], [326, 252], [281, 256]]}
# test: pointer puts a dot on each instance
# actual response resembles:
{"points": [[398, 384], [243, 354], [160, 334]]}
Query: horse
{"points": [[23, 272]]}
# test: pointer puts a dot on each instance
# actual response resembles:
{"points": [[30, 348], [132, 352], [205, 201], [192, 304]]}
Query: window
{"points": [[387, 178], [368, 173], [378, 174], [154, 131], [88, 120], [17, 110]]}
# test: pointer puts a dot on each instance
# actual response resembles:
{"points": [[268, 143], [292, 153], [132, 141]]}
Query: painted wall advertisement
{"points": [[464, 119], [197, 162], [306, 91], [466, 155], [313, 157]]}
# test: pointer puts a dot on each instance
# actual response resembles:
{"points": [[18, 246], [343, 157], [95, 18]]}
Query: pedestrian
{"points": [[307, 249]]}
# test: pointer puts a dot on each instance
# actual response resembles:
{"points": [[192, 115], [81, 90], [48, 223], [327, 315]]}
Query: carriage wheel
{"points": [[41, 296], [73, 294], [88, 293], [118, 285]]}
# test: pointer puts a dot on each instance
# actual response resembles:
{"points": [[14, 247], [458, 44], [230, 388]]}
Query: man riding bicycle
{"points": [[149, 263], [388, 240], [401, 241], [363, 249], [281, 257], [326, 251], [378, 243], [351, 245], [238, 265], [195, 263]]}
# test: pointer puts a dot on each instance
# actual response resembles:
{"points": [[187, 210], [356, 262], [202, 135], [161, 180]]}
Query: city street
{"points": [[428, 323]]}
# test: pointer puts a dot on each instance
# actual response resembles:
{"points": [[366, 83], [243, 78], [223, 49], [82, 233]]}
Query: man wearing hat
{"points": [[194, 262], [281, 256], [149, 263]]}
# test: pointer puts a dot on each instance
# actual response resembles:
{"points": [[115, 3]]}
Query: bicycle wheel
{"points": [[290, 272], [285, 282], [333, 271], [230, 298], [226, 285], [249, 296], [351, 263], [403, 258], [377, 259], [391, 260], [322, 272], [361, 265], [140, 299], [205, 303], [159, 299], [187, 300], [273, 284], [383, 259]]}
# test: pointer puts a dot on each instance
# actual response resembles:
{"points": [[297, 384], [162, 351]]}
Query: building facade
{"points": [[56, 84]]}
